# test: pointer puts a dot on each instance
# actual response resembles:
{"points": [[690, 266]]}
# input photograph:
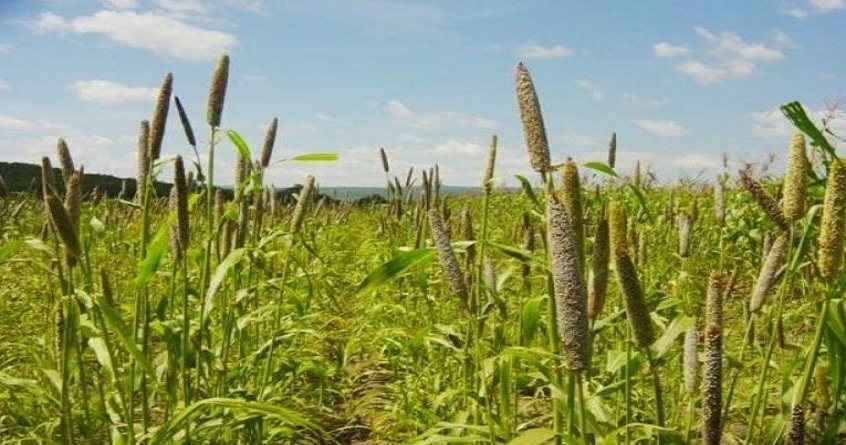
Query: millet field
{"points": [[590, 306]]}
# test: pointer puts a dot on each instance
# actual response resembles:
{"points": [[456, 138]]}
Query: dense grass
{"points": [[426, 319]]}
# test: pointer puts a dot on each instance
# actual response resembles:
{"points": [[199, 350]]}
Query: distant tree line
{"points": [[17, 178]]}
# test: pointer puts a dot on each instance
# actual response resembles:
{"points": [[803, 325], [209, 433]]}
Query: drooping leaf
{"points": [[239, 143], [602, 168], [220, 273], [394, 267], [530, 192], [678, 326], [155, 252], [534, 436], [183, 418], [316, 157]]}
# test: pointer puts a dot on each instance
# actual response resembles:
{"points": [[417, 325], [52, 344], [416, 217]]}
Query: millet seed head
{"points": [[534, 131], [833, 222], [217, 91], [795, 183]]}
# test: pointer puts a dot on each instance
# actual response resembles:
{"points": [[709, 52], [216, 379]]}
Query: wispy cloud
{"points": [[641, 101], [725, 56], [453, 147], [434, 121], [5, 48], [664, 49], [120, 4], [534, 51], [812, 7], [593, 89], [4, 86], [14, 123], [661, 128], [111, 93], [172, 38]]}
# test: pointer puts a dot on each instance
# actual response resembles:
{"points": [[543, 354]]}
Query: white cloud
{"points": [[730, 45], [637, 100], [435, 121], [453, 147], [592, 88], [172, 37], [814, 7], [696, 161], [576, 138], [664, 49], [14, 123], [182, 8], [827, 5], [535, 51], [5, 48], [772, 124], [111, 93], [4, 86], [47, 22], [661, 128], [120, 4], [254, 6], [728, 56]]}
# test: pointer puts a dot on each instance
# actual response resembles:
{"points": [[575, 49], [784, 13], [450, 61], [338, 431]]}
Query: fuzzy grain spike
{"points": [[159, 122], [690, 360], [48, 179], [303, 198], [569, 289], [487, 179], [534, 131], [63, 225], [796, 433], [712, 380], [269, 142], [144, 162], [217, 91], [65, 159], [446, 256], [767, 203], [612, 150], [637, 313], [599, 269], [833, 222], [795, 184], [768, 273]]}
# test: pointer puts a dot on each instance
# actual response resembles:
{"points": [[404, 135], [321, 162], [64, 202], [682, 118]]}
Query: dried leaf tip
{"points": [[534, 131]]}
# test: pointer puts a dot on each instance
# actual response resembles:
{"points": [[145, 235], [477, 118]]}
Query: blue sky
{"points": [[681, 82]]}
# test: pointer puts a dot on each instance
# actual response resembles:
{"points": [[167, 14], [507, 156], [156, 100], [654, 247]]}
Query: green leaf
{"points": [[183, 418], [8, 250], [602, 168], [518, 254], [795, 112], [530, 192], [394, 267], [155, 252], [316, 157], [239, 143], [676, 328], [220, 273], [534, 436], [641, 199], [531, 318], [115, 324]]}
